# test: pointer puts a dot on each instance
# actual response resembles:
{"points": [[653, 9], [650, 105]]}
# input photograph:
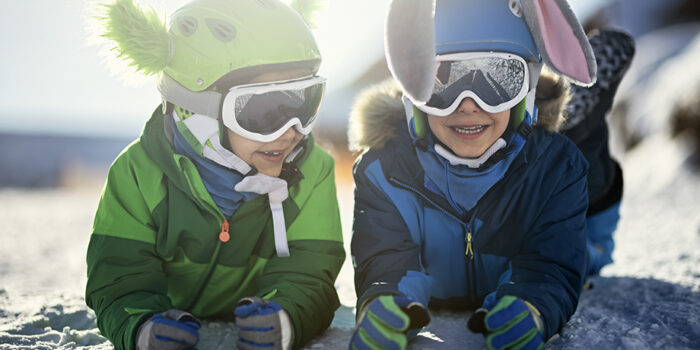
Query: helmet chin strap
{"points": [[276, 190], [473, 163]]}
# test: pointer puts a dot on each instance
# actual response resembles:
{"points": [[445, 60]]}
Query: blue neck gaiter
{"points": [[462, 186], [218, 180]]}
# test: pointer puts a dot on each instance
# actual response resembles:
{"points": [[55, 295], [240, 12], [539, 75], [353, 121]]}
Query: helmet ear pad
{"points": [[517, 114]]}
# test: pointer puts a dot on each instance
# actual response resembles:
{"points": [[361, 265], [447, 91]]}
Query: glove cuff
{"points": [[143, 334], [179, 315], [536, 315], [287, 330], [283, 321], [417, 313]]}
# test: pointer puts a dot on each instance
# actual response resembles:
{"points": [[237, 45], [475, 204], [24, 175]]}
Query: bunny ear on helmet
{"points": [[409, 42], [560, 39]]}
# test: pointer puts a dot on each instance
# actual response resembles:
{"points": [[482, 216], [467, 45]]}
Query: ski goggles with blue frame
{"points": [[263, 112], [495, 81]]}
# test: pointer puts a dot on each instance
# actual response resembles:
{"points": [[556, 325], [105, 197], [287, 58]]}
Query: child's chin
{"points": [[270, 171]]}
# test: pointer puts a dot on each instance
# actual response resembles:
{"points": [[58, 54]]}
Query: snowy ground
{"points": [[648, 299]]}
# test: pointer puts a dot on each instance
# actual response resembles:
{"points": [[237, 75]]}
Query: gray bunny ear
{"points": [[409, 42], [560, 39]]}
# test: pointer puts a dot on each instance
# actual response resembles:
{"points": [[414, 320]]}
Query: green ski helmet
{"points": [[211, 45]]}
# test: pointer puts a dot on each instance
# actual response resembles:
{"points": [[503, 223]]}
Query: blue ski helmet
{"points": [[539, 31], [482, 25]]}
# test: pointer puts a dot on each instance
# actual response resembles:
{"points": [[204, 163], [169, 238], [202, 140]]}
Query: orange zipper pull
{"points": [[224, 236]]}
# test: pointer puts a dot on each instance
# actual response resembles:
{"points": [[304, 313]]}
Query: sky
{"points": [[55, 81]]}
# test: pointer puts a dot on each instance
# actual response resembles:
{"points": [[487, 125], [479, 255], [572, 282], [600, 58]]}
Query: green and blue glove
{"points": [[386, 321], [262, 325], [509, 323], [170, 330]]}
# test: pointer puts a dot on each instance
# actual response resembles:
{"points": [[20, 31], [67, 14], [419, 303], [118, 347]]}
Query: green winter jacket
{"points": [[155, 244]]}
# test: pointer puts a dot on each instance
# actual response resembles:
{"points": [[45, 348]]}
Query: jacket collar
{"points": [[157, 141]]}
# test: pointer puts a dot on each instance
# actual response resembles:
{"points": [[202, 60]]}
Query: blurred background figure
{"points": [[662, 87]]}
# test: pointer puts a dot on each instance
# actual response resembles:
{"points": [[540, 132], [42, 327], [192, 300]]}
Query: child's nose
{"points": [[288, 135], [468, 105]]}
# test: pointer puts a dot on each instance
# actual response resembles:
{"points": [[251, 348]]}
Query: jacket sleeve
{"points": [[550, 268], [125, 283], [304, 283], [382, 249]]}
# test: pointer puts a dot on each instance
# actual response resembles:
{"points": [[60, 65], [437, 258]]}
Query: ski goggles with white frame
{"points": [[495, 81], [263, 112]]}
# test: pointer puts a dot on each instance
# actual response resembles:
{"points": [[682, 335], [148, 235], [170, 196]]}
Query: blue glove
{"points": [[386, 321], [262, 325], [509, 323], [171, 330]]}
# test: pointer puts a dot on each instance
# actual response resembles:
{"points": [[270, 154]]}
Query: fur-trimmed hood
{"points": [[377, 110]]}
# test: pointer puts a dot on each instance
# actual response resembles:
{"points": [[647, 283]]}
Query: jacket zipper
{"points": [[469, 251], [469, 260], [224, 236]]}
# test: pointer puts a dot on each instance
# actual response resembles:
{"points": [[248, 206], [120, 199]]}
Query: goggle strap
{"points": [[202, 102], [419, 122]]}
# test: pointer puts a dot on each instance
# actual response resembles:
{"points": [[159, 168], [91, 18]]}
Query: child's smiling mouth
{"points": [[273, 156], [469, 131]]}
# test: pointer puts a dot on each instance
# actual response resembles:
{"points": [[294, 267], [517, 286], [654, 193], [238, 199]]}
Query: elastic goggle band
{"points": [[495, 81], [263, 112]]}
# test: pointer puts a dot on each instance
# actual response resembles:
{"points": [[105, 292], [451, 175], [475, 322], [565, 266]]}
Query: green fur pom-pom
{"points": [[141, 37]]}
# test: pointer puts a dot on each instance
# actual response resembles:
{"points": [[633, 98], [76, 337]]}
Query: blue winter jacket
{"points": [[525, 236]]}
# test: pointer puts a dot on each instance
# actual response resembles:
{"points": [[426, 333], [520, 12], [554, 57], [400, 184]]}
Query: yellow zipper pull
{"points": [[469, 252]]}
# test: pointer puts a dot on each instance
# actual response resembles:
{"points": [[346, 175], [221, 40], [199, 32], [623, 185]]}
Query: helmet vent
{"points": [[187, 25], [516, 8], [221, 30]]}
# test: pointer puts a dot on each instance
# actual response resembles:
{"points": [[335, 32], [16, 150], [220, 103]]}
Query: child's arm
{"points": [[383, 251], [549, 270], [303, 283], [126, 284]]}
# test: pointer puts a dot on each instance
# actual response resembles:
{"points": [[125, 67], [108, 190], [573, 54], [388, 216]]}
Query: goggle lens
{"points": [[263, 112], [495, 81], [267, 112]]}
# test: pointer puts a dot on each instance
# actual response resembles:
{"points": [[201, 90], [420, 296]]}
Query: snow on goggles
{"points": [[263, 112], [495, 81]]}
